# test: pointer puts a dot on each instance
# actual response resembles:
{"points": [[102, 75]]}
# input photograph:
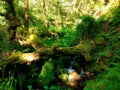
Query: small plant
{"points": [[8, 84], [47, 75]]}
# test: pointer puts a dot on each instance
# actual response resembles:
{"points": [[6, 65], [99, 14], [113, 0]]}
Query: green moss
{"points": [[46, 75], [64, 77]]}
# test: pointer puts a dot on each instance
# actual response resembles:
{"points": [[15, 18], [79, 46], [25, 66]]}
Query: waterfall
{"points": [[73, 76], [82, 72], [70, 69]]}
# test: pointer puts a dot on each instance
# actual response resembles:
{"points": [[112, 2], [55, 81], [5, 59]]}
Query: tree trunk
{"points": [[26, 7], [19, 57], [14, 22]]}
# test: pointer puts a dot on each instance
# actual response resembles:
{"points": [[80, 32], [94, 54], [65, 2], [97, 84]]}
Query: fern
{"points": [[108, 81], [47, 75]]}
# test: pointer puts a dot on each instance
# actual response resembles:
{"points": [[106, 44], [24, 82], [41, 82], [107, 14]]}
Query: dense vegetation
{"points": [[59, 44]]}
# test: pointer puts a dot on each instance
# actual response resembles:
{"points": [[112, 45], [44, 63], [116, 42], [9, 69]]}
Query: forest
{"points": [[59, 44]]}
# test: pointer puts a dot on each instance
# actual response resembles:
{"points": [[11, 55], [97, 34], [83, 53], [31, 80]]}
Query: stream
{"points": [[70, 69]]}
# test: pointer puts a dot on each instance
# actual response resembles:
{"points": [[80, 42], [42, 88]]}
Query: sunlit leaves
{"points": [[4, 24], [47, 75], [3, 8]]}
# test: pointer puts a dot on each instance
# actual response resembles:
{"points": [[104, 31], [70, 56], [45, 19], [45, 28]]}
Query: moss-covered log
{"points": [[43, 50], [19, 57]]}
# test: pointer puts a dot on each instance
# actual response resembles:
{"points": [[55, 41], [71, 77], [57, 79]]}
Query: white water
{"points": [[82, 72], [70, 69]]}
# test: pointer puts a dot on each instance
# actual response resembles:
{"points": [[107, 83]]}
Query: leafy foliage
{"points": [[88, 28], [68, 37], [47, 75], [3, 8], [8, 84], [57, 23], [108, 81], [63, 37], [4, 41]]}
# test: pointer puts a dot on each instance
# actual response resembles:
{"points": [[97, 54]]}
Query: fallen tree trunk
{"points": [[43, 50], [58, 51], [19, 57]]}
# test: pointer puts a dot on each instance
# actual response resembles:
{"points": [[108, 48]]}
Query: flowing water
{"points": [[70, 69]]}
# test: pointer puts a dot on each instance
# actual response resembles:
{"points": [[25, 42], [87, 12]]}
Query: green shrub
{"points": [[46, 75], [107, 81], [65, 36], [8, 84], [68, 37], [88, 28]]}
